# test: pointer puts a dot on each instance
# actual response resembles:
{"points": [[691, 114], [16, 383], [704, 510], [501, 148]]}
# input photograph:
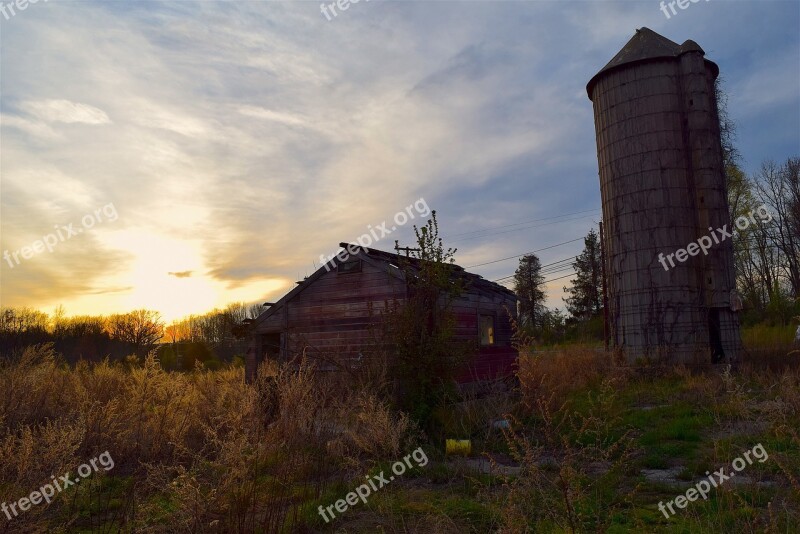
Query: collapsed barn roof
{"points": [[473, 282]]}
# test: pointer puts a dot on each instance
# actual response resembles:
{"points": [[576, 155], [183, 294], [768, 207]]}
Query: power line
{"points": [[559, 278], [553, 271], [553, 264], [571, 258], [521, 223], [556, 271], [561, 270], [526, 253], [547, 281], [559, 265], [473, 234], [471, 238]]}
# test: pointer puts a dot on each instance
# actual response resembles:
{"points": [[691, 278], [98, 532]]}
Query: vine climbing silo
{"points": [[663, 188]]}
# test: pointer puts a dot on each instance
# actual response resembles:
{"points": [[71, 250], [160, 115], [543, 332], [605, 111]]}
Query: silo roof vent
{"points": [[691, 46]]}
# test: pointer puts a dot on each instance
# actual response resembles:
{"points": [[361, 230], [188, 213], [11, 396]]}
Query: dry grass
{"points": [[554, 375], [203, 452], [193, 452]]}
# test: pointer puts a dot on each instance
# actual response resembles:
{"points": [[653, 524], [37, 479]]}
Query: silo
{"points": [[663, 187]]}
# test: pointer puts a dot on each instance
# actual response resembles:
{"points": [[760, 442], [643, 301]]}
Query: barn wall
{"points": [[331, 317], [499, 359]]}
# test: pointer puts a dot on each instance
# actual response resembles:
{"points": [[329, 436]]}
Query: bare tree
{"points": [[23, 320], [778, 187], [140, 328], [254, 310]]}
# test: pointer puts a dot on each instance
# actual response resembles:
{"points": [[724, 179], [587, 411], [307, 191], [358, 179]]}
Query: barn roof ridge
{"points": [[371, 254], [389, 256]]}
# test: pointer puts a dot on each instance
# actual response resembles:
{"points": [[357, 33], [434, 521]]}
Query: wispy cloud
{"points": [[65, 111], [276, 116]]}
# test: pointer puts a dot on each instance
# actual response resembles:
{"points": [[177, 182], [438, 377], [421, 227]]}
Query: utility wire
{"points": [[552, 271], [472, 238], [521, 223], [554, 265], [741, 241], [559, 278], [572, 258], [526, 253], [552, 279], [563, 270]]}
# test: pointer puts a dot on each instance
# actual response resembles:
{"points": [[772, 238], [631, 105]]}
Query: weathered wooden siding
{"points": [[490, 361], [331, 318]]}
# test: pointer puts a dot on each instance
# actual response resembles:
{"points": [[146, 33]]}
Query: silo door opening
{"points": [[715, 337]]}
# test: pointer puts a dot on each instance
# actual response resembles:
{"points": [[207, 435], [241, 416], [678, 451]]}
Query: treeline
{"points": [[768, 252], [765, 211], [213, 338], [582, 320]]}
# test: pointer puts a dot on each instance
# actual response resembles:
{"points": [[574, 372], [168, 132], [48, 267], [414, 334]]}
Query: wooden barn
{"points": [[332, 312]]}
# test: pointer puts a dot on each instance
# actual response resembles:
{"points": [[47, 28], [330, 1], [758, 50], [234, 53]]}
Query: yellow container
{"points": [[458, 446]]}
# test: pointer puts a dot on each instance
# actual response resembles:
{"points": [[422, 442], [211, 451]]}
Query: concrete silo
{"points": [[663, 188]]}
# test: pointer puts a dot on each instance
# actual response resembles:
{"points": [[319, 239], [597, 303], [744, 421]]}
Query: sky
{"points": [[180, 156]]}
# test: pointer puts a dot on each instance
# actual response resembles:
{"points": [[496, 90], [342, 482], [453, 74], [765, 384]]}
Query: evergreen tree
{"points": [[528, 283], [586, 294]]}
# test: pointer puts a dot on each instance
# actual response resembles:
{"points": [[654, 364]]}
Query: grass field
{"points": [[589, 448]]}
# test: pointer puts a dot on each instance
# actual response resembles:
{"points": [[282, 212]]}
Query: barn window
{"points": [[487, 330], [353, 266]]}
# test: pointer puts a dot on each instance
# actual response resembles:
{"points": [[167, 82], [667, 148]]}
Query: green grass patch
{"points": [[465, 509]]}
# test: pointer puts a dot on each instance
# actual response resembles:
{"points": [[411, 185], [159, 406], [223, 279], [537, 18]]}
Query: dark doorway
{"points": [[715, 337]]}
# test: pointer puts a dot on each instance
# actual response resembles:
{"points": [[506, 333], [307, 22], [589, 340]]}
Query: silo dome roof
{"points": [[646, 45]]}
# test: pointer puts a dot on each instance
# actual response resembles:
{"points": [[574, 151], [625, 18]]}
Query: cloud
{"points": [[152, 114], [65, 111], [106, 290], [181, 274], [31, 127], [276, 116]]}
